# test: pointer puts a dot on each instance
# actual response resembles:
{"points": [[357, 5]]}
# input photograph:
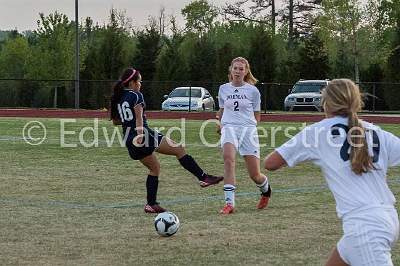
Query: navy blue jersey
{"points": [[126, 105]]}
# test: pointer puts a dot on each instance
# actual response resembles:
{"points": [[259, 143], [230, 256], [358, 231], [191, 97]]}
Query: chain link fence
{"points": [[95, 94]]}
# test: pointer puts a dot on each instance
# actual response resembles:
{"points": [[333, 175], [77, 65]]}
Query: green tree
{"points": [[342, 65], [170, 67], [224, 56], [201, 61], [110, 50], [200, 16], [52, 56], [148, 48], [262, 55], [313, 59], [262, 59], [115, 47], [393, 63], [13, 58], [231, 40], [341, 22]]}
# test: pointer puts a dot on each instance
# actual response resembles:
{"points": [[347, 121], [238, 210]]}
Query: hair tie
{"points": [[131, 76]]}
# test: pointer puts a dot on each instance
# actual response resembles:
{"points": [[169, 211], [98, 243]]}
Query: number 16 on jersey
{"points": [[125, 112]]}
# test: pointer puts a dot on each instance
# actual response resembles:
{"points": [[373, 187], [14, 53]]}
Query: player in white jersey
{"points": [[239, 102], [354, 157]]}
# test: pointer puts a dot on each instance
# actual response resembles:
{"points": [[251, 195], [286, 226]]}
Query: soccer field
{"points": [[65, 205]]}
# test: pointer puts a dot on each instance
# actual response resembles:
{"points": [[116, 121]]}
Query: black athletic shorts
{"points": [[151, 141]]}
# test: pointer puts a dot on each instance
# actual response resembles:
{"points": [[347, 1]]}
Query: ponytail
{"points": [[342, 97], [360, 160], [115, 98]]}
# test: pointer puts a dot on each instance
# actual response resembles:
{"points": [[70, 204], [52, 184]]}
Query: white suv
{"points": [[305, 95]]}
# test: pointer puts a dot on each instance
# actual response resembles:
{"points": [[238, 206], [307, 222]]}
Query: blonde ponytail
{"points": [[360, 160], [342, 97]]}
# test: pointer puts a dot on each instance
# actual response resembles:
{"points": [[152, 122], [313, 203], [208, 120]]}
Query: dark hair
{"points": [[127, 76]]}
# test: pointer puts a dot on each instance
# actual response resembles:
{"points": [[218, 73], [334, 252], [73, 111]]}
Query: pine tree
{"points": [[313, 59], [393, 65]]}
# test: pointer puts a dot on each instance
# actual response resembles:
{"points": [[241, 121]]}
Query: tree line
{"points": [[301, 39]]}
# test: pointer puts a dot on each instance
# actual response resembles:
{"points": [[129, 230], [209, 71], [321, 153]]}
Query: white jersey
{"points": [[239, 104], [325, 144]]}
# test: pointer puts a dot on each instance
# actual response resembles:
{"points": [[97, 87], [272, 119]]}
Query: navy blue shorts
{"points": [[151, 141]]}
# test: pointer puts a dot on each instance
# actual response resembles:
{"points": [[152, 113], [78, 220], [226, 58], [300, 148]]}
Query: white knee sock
{"points": [[229, 191], [263, 186]]}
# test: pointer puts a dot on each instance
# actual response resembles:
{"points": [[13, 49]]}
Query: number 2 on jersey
{"points": [[236, 106], [125, 112]]}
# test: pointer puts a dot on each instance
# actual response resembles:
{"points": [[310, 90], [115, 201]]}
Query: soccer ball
{"points": [[166, 223]]}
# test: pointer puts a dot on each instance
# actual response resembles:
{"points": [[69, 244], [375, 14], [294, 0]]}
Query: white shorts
{"points": [[369, 236], [245, 139]]}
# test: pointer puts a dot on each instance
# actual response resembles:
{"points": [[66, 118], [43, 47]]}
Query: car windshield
{"points": [[185, 93], [308, 87]]}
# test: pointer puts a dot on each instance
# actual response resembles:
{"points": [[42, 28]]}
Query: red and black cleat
{"points": [[210, 180], [154, 208], [263, 203]]}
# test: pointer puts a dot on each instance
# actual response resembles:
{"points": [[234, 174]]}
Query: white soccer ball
{"points": [[166, 223]]}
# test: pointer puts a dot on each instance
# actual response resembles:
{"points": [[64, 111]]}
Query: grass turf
{"points": [[84, 206]]}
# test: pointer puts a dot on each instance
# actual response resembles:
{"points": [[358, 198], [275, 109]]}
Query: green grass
{"points": [[84, 206]]}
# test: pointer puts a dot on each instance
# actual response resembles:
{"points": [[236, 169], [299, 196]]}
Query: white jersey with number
{"points": [[239, 104], [325, 144]]}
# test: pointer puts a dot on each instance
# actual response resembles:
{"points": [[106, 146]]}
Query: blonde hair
{"points": [[249, 78], [342, 97]]}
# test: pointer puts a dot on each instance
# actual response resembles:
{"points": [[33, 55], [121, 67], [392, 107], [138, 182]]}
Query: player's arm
{"points": [[139, 118], [392, 147], [221, 104], [218, 116], [139, 123], [116, 122], [274, 161], [257, 115], [296, 150], [257, 105]]}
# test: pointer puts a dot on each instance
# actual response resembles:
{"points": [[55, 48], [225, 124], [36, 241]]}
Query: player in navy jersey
{"points": [[354, 157], [128, 109], [239, 103]]}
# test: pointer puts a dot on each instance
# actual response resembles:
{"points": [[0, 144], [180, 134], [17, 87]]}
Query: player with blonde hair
{"points": [[239, 102], [354, 157]]}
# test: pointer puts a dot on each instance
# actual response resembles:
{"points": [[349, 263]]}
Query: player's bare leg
{"points": [[335, 259], [253, 168], [229, 155]]}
